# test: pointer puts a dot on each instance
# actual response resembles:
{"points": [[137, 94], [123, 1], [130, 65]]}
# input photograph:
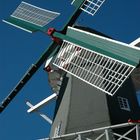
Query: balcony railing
{"points": [[104, 133]]}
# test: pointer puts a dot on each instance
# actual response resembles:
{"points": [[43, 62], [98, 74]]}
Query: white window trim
{"points": [[123, 103]]}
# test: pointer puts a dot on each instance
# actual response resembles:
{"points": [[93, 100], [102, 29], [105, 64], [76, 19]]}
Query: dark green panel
{"points": [[84, 43], [115, 48], [25, 25]]}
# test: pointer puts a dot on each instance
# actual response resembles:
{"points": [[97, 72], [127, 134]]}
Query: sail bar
{"points": [[92, 6], [98, 70], [45, 117], [34, 14], [42, 103]]}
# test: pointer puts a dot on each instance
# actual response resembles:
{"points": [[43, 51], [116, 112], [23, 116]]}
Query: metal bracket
{"points": [[50, 32]]}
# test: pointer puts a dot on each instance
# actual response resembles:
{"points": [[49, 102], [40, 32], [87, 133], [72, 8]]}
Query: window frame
{"points": [[124, 103]]}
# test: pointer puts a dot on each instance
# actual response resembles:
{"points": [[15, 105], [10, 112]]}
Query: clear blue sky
{"points": [[19, 49]]}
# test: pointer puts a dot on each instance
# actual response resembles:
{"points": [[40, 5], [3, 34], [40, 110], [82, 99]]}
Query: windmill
{"points": [[97, 60]]}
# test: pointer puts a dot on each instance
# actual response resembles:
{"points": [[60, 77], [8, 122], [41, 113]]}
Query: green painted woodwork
{"points": [[25, 25], [76, 3], [115, 48], [118, 51]]}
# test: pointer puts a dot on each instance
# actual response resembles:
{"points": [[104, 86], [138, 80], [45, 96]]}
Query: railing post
{"points": [[107, 134], [79, 137], [137, 132]]}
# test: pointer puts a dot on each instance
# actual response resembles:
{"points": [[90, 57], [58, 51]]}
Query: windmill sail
{"points": [[89, 6], [31, 18], [27, 77], [99, 61]]}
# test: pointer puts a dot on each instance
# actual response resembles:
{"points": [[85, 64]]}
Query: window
{"points": [[124, 104]]}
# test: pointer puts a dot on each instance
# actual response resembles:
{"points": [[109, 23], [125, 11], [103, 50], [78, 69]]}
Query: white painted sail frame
{"points": [[99, 73], [92, 6], [33, 14]]}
